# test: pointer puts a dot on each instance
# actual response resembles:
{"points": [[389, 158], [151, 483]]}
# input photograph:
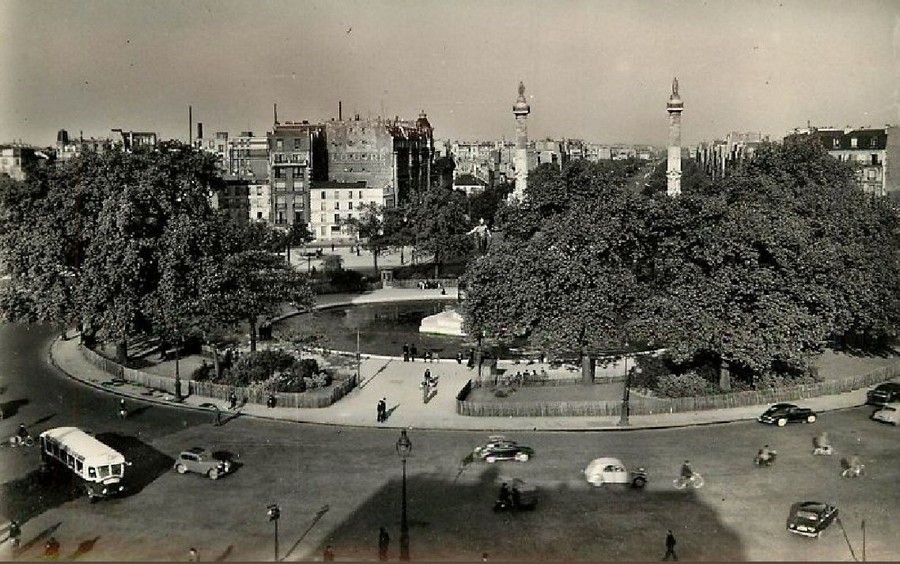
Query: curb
{"points": [[485, 429]]}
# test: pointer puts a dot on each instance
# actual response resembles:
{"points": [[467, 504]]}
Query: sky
{"points": [[593, 69]]}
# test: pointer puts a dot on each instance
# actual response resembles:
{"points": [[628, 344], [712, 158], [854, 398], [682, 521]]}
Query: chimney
{"points": [[276, 113], [340, 110], [199, 130], [190, 125]]}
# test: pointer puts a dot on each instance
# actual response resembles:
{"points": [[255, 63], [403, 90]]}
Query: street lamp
{"points": [[274, 514], [626, 393], [177, 373], [404, 447]]}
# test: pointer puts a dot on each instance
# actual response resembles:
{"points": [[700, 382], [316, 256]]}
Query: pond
{"points": [[383, 328]]}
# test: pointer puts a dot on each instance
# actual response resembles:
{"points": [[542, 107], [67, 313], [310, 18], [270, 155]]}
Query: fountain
{"points": [[448, 322]]}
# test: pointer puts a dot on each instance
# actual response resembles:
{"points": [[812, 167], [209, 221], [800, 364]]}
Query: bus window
{"points": [[117, 469], [92, 472], [55, 447], [70, 460], [104, 471], [79, 466]]}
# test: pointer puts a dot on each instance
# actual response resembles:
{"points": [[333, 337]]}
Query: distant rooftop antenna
{"points": [[190, 125]]}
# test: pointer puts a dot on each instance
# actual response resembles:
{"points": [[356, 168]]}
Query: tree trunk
{"points": [[375, 259], [724, 375], [252, 321], [122, 351], [587, 368]]}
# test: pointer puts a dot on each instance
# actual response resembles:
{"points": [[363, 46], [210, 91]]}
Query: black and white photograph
{"points": [[449, 280]]}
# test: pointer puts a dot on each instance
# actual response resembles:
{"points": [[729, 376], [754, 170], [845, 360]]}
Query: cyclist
{"points": [[22, 433], [687, 473], [765, 455]]}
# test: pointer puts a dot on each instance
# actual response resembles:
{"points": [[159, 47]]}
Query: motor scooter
{"points": [[760, 461], [823, 450]]}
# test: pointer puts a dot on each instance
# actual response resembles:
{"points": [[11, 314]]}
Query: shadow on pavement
{"points": [[147, 463], [38, 491], [319, 514], [222, 557], [83, 548], [572, 521], [11, 408]]}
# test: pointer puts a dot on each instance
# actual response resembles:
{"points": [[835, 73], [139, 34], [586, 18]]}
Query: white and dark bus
{"points": [[97, 465]]}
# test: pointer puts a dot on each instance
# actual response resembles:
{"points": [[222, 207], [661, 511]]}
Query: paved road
{"points": [[338, 485]]}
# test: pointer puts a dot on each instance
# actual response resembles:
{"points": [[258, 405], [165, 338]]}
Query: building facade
{"points": [[296, 158]]}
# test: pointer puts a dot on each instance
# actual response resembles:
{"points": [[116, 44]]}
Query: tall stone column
{"points": [[673, 168], [521, 109]]}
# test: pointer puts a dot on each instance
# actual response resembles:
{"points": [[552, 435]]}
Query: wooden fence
{"points": [[312, 398], [414, 282], [649, 406]]}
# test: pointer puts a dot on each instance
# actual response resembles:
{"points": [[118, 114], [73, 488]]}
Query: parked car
{"points": [[202, 461], [783, 413], [882, 394], [810, 518], [611, 471], [889, 413], [499, 447]]}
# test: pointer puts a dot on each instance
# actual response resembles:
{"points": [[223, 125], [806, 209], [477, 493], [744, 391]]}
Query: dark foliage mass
{"points": [[127, 243], [752, 274]]}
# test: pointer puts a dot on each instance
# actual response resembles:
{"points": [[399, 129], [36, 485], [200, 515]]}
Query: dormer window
{"points": [[854, 143]]}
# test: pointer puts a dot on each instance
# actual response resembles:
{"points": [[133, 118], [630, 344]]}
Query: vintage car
{"points": [[611, 471], [783, 413], [202, 461], [810, 518], [889, 413], [882, 394], [499, 447]]}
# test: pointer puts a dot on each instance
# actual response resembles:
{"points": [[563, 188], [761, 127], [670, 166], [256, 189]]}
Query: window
{"points": [[349, 205], [297, 143], [322, 206], [836, 143], [337, 218], [854, 143], [298, 172], [279, 172], [871, 174], [117, 469], [92, 472], [360, 194], [337, 194], [323, 194], [104, 471], [337, 205], [279, 144], [335, 228], [323, 230], [79, 466], [322, 218], [873, 142], [298, 216], [259, 215], [875, 160]]}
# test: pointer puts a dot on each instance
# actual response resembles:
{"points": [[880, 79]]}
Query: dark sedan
{"points": [[783, 413], [883, 394], [506, 451], [810, 518]]}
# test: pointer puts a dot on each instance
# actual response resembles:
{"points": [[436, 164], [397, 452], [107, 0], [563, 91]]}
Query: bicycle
{"points": [[696, 481]]}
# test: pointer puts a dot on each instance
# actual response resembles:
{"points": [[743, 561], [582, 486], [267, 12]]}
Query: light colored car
{"points": [[889, 413], [611, 471], [202, 461]]}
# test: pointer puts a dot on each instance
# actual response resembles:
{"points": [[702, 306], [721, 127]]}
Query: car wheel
{"points": [[596, 481], [782, 422], [639, 482], [180, 468], [522, 457], [811, 419], [490, 459], [213, 474]]}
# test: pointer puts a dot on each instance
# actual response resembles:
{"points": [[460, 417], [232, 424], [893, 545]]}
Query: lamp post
{"points": [[274, 514], [404, 447], [177, 373], [626, 393]]}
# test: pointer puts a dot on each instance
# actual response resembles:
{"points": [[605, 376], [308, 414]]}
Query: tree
{"points": [[370, 228], [95, 224], [295, 234], [440, 225]]}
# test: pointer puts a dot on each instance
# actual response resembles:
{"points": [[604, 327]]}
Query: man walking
{"points": [[218, 416], [405, 352], [384, 541], [15, 533], [670, 546], [382, 410]]}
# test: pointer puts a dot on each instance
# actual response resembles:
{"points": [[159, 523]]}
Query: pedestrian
{"points": [[193, 555], [384, 541], [51, 549], [332, 247], [382, 409], [271, 401], [670, 546], [218, 418], [328, 555], [459, 357], [471, 363], [232, 400], [405, 352], [412, 352], [15, 533], [436, 356], [543, 356]]}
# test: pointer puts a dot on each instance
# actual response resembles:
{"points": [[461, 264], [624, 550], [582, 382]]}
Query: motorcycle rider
{"points": [[764, 455], [503, 497], [821, 443], [123, 410], [21, 435]]}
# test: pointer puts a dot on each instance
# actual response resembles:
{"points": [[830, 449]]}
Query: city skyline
{"points": [[595, 70]]}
